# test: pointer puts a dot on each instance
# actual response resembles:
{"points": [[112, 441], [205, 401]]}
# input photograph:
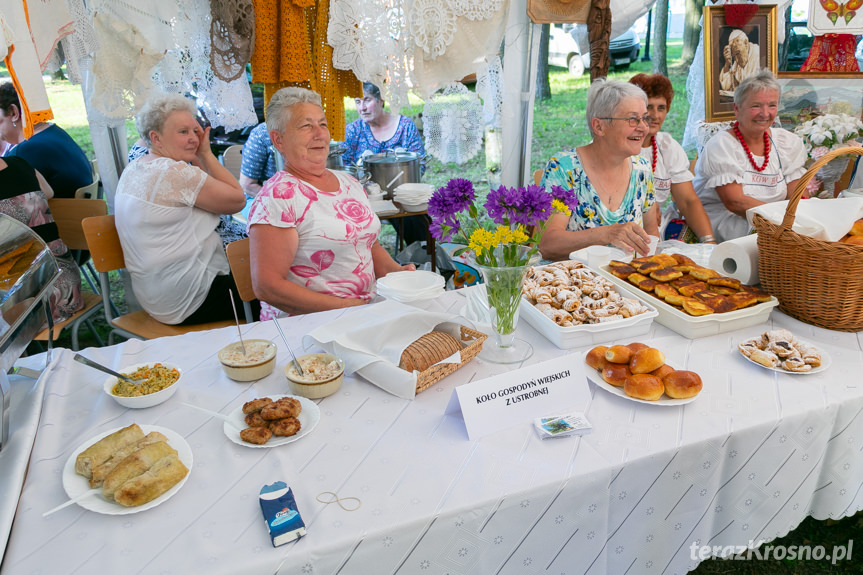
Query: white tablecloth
{"points": [[746, 462]]}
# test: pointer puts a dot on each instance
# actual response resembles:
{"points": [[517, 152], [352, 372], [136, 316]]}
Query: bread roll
{"points": [[682, 384], [102, 471], [134, 465], [101, 451], [662, 371], [643, 386], [162, 475], [854, 240], [428, 350], [857, 228], [615, 373], [635, 346], [618, 354], [595, 358], [646, 360]]}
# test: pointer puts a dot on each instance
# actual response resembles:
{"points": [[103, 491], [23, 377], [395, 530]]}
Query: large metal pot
{"points": [[334, 159], [390, 169]]}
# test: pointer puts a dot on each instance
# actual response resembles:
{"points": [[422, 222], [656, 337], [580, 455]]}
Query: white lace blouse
{"points": [[171, 248]]}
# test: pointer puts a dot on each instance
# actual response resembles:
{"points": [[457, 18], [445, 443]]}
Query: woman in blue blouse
{"points": [[613, 184], [378, 130]]}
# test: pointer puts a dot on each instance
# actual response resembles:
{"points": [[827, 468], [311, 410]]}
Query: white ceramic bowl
{"points": [[412, 281], [415, 187], [414, 207], [309, 388], [148, 400], [259, 361]]}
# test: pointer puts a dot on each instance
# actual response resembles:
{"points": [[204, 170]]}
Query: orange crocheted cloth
{"points": [[291, 50], [831, 53]]}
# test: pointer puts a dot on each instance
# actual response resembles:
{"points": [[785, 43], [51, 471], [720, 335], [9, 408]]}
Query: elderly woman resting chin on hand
{"points": [[613, 184], [313, 233]]}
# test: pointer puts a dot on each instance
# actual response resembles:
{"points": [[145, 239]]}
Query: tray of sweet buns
{"points": [[574, 306], [693, 300], [641, 373]]}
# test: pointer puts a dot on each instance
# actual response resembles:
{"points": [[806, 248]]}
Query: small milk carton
{"points": [[281, 513]]}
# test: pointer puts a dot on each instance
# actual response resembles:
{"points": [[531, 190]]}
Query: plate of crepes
{"points": [[272, 421], [778, 350], [638, 372], [133, 468]]}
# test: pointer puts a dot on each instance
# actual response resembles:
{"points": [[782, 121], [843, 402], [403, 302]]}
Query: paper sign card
{"points": [[520, 396]]}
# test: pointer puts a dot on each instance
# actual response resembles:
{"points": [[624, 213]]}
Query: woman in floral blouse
{"points": [[613, 184], [313, 233]]}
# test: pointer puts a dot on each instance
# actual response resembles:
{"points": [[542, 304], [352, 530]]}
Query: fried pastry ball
{"points": [[256, 435], [285, 427], [256, 405]]}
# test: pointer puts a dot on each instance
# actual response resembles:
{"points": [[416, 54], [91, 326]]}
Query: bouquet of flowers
{"points": [[828, 132], [515, 213]]}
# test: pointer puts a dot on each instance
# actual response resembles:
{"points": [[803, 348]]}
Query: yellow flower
{"points": [[481, 240], [560, 207]]}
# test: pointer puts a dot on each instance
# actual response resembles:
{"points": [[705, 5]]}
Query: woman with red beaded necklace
{"points": [[750, 164], [672, 180]]}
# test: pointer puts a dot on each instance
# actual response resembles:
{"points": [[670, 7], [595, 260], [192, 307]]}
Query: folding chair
{"points": [[68, 214], [107, 252], [241, 269], [232, 159]]}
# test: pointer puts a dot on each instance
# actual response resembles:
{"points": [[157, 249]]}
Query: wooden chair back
{"points": [[89, 192], [103, 243], [537, 176], [68, 215], [233, 159], [241, 268]]}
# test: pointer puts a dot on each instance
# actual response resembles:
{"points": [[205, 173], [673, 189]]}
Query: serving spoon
{"points": [[284, 339], [89, 362]]}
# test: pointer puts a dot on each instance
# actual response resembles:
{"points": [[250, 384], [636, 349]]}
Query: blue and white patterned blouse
{"points": [[359, 138], [565, 170], [259, 162]]}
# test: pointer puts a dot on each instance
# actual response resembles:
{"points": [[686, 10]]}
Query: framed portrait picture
{"points": [[808, 94], [732, 54]]}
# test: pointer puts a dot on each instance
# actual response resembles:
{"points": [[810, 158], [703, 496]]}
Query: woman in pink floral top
{"points": [[313, 233]]}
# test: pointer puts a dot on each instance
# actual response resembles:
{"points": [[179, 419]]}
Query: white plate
{"points": [[664, 401], [75, 484], [825, 362], [309, 417]]}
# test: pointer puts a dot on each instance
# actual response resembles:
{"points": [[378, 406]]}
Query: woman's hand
{"points": [[409, 268], [203, 143], [628, 237]]}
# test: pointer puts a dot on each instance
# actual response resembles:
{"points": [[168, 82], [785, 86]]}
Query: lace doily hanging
{"points": [[475, 9], [232, 37], [228, 104], [489, 87], [368, 37], [452, 124], [81, 43]]}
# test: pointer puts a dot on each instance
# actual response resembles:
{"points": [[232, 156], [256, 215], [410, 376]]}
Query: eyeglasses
{"points": [[633, 121]]}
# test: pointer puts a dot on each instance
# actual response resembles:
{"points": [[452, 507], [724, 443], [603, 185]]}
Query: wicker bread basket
{"points": [[815, 281], [471, 341]]}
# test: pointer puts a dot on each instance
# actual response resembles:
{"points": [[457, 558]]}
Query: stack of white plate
{"points": [[413, 197], [411, 286]]}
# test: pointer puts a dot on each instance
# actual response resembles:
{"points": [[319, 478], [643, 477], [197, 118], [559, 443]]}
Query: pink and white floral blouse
{"points": [[336, 234]]}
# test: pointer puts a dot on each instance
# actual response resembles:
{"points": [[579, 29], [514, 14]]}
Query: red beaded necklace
{"points": [[653, 146], [748, 153]]}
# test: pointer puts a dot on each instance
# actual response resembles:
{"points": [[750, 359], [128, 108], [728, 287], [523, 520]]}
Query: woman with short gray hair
{"points": [[167, 208], [313, 234], [751, 163], [613, 184]]}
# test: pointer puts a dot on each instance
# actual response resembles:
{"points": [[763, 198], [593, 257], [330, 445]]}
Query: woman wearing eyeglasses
{"points": [[613, 183], [672, 180]]}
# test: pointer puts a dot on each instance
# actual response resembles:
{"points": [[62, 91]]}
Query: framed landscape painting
{"points": [[732, 54], [809, 94]]}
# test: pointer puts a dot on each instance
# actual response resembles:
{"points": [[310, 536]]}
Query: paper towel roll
{"points": [[737, 258]]}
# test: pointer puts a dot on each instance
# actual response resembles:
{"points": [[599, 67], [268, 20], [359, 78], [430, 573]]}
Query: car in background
{"points": [[563, 49]]}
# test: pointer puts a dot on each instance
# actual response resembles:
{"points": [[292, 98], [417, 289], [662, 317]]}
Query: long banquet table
{"points": [[744, 463]]}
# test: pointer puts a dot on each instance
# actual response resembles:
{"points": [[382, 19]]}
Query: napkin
{"points": [[827, 220], [371, 338], [385, 207]]}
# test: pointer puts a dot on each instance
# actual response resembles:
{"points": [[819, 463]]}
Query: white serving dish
{"points": [[414, 207], [588, 334], [143, 401], [415, 187], [694, 327], [259, 366]]}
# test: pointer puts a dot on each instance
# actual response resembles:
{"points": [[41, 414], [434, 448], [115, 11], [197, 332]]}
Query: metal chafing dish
{"points": [[27, 272]]}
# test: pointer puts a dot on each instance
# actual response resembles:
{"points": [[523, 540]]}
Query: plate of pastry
{"points": [[779, 350], [272, 421], [128, 469], [640, 373]]}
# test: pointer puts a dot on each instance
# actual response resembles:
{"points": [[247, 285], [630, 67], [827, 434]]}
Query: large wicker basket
{"points": [[815, 281], [471, 341]]}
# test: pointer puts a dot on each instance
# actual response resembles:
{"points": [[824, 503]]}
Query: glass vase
{"points": [[830, 174], [503, 290]]}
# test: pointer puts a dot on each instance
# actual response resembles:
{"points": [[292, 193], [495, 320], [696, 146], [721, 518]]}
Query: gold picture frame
{"points": [[732, 54]]}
